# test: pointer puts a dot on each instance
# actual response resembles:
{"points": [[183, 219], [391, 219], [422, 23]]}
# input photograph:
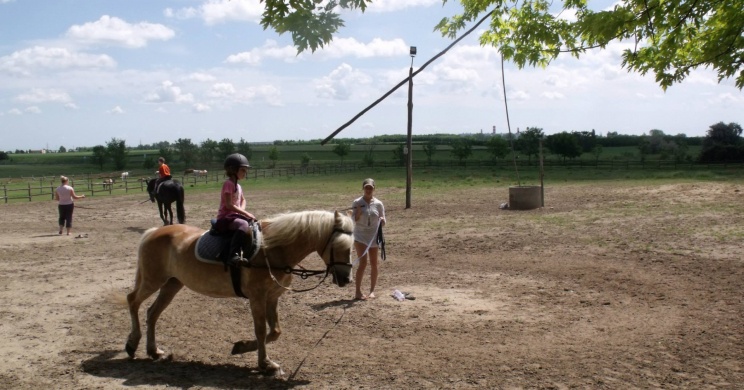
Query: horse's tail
{"points": [[140, 257], [180, 211]]}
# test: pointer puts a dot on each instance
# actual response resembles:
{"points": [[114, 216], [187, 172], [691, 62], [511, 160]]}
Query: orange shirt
{"points": [[164, 171]]}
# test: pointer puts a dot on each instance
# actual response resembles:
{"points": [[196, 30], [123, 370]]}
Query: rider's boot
{"points": [[239, 240]]}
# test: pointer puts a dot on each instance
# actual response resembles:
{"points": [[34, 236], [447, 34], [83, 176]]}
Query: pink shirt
{"points": [[236, 198], [64, 192]]}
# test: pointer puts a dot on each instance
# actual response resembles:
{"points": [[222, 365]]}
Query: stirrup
{"points": [[236, 261]]}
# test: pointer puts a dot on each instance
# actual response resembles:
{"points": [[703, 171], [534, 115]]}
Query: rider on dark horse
{"points": [[231, 216], [163, 173]]}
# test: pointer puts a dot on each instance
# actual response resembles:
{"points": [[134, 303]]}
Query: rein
{"points": [[304, 273]]}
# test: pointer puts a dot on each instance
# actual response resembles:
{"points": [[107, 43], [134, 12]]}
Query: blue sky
{"points": [[81, 72]]}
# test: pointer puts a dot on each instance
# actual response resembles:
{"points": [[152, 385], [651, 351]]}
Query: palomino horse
{"points": [[167, 262], [170, 191]]}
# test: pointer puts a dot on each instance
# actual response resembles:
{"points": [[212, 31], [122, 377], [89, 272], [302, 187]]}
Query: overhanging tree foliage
{"points": [[671, 37]]}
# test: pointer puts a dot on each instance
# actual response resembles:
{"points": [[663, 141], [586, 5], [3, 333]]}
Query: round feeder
{"points": [[524, 197]]}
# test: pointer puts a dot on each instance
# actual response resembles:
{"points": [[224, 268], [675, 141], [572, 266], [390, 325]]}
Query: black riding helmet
{"points": [[236, 160]]}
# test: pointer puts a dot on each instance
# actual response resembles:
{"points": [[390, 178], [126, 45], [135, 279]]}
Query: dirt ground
{"points": [[610, 286]]}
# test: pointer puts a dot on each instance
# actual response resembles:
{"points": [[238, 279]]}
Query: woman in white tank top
{"points": [[65, 195]]}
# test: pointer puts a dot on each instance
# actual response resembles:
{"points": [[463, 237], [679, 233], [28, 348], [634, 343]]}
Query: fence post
{"points": [[29, 191]]}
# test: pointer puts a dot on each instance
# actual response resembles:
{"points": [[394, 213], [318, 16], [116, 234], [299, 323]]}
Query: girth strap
{"points": [[235, 277]]}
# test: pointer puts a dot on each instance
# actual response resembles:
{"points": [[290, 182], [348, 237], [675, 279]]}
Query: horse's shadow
{"points": [[135, 229], [346, 303], [183, 375]]}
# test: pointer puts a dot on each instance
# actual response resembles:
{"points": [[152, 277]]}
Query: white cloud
{"points": [[200, 107], [33, 110], [168, 93], [270, 49], [15, 111], [201, 77], [220, 11], [340, 83], [342, 47], [268, 93], [518, 95], [221, 90], [71, 106], [397, 5], [52, 58], [115, 110], [551, 95], [114, 31], [44, 95]]}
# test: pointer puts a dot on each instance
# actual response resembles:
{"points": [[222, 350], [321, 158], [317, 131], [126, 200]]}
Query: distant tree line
{"points": [[722, 142]]}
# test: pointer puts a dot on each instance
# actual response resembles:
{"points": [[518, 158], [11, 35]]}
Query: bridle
{"points": [[305, 273]]}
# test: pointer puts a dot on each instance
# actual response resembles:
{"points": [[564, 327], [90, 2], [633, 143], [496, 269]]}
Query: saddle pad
{"points": [[209, 247]]}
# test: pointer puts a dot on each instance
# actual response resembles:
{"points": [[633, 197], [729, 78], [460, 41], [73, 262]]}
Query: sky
{"points": [[79, 73]]}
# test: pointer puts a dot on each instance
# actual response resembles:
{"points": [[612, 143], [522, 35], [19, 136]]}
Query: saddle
{"points": [[157, 187], [213, 247]]}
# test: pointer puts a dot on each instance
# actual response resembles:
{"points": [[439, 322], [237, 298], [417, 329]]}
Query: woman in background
{"points": [[65, 195], [369, 215]]}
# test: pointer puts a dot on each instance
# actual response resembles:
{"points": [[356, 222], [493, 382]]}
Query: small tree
{"points": [[187, 151], [529, 142], [342, 149], [596, 152], [99, 155], [208, 150], [244, 148], [273, 156], [564, 144], [399, 156], [165, 152], [461, 149], [497, 147], [305, 160], [226, 147], [722, 143], [117, 150], [62, 149], [644, 147], [369, 156], [430, 147]]}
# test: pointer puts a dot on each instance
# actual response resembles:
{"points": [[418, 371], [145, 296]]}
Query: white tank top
{"points": [[65, 194]]}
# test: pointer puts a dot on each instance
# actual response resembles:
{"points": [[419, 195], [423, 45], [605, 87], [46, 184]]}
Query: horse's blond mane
{"points": [[285, 229]]}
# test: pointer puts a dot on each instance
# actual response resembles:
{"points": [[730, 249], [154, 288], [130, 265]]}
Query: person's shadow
{"points": [[183, 375]]}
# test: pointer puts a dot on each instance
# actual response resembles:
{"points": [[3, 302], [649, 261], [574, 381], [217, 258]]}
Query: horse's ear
{"points": [[349, 213]]}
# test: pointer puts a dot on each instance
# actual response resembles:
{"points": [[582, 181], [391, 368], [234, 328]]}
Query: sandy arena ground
{"points": [[614, 286]]}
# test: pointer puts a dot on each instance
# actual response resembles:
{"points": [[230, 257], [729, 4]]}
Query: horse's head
{"points": [[151, 189], [337, 252]]}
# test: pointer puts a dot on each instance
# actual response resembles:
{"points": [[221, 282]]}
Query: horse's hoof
{"points": [[130, 350], [158, 355], [164, 358], [243, 346], [272, 370]]}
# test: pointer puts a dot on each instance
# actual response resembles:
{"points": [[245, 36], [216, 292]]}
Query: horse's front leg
{"points": [[169, 214], [160, 211], [272, 317], [259, 311]]}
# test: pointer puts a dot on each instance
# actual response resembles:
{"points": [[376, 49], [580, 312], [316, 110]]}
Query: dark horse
{"points": [[170, 191]]}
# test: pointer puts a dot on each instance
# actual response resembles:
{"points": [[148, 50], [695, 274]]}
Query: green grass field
{"points": [[54, 164]]}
